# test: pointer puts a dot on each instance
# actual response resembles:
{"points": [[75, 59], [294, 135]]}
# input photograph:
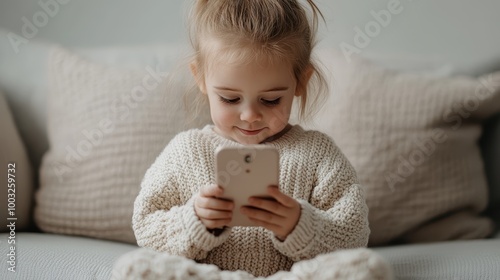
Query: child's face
{"points": [[250, 102]]}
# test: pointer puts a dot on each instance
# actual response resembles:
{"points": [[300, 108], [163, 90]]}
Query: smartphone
{"points": [[244, 172]]}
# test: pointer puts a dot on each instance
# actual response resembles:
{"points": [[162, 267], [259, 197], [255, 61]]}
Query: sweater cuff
{"points": [[302, 236], [200, 237]]}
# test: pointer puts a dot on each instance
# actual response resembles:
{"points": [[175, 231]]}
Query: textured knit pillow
{"points": [[412, 139], [16, 174], [105, 127]]}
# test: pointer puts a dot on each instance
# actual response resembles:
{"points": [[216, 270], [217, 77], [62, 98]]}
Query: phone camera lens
{"points": [[248, 159]]}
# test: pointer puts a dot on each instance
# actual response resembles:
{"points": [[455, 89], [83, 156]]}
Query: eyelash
{"points": [[266, 102], [272, 102], [229, 101]]}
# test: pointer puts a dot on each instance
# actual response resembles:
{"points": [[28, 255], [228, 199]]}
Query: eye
{"points": [[273, 102], [229, 101]]}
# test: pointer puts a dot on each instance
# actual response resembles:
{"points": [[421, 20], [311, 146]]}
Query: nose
{"points": [[250, 114]]}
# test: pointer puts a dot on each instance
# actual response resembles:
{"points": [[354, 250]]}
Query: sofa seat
{"points": [[453, 260], [53, 256]]}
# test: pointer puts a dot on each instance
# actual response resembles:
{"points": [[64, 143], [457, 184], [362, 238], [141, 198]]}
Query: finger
{"points": [[272, 206], [262, 215], [272, 227], [214, 203], [210, 214], [282, 198], [211, 190]]}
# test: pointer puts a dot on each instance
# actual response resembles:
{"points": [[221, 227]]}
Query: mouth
{"points": [[250, 132]]}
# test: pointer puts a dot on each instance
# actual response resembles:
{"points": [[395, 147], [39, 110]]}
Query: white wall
{"points": [[464, 32]]}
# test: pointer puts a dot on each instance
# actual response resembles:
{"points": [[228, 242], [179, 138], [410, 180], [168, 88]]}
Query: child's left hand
{"points": [[279, 216]]}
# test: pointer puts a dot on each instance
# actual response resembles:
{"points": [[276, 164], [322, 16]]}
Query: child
{"points": [[252, 59]]}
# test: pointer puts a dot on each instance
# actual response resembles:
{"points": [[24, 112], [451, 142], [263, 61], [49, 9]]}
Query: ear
{"points": [[304, 80], [200, 82]]}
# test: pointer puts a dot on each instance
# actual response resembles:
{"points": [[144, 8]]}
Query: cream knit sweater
{"points": [[312, 170]]}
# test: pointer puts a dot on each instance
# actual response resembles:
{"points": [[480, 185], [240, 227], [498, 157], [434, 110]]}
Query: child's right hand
{"points": [[212, 211]]}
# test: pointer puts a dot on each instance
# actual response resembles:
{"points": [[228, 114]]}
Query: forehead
{"points": [[254, 74], [241, 53]]}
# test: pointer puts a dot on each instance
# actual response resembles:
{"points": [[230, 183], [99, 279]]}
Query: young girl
{"points": [[252, 59]]}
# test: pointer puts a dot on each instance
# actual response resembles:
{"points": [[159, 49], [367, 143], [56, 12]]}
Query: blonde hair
{"points": [[276, 30]]}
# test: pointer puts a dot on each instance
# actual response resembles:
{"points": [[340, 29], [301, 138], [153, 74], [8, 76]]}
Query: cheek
{"points": [[223, 116], [280, 115]]}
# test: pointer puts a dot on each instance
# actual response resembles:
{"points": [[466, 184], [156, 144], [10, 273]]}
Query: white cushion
{"points": [[106, 125], [416, 155]]}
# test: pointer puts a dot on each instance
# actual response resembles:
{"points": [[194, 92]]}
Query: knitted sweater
{"points": [[313, 170]]}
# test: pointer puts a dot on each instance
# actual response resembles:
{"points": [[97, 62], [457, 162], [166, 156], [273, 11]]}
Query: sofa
{"points": [[80, 125]]}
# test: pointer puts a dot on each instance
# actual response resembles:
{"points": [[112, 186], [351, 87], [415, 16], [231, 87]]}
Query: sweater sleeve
{"points": [[162, 222], [336, 217]]}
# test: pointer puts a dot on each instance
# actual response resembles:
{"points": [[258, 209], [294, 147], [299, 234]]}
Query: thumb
{"points": [[211, 190]]}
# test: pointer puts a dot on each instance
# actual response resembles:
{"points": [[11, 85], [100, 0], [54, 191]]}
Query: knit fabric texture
{"points": [[351, 264], [106, 125], [313, 170], [413, 140]]}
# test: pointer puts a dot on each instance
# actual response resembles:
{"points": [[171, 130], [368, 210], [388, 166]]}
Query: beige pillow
{"points": [[413, 140], [16, 194], [105, 127]]}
